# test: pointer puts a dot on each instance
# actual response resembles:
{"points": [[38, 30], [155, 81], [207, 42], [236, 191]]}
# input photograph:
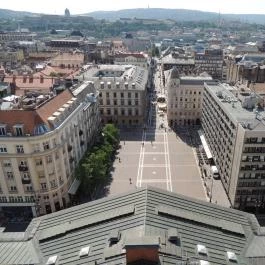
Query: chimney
{"points": [[41, 78], [141, 249], [14, 79], [24, 79]]}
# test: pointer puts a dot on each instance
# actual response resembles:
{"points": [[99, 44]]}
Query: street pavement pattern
{"points": [[157, 158]]}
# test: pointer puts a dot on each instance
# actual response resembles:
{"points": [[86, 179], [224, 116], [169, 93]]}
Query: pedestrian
{"points": [[119, 159], [123, 142], [130, 180]]}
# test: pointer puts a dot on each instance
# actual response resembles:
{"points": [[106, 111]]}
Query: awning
{"points": [[75, 185], [205, 145]]}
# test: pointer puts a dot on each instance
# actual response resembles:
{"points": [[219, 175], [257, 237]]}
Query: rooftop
{"points": [[107, 230], [33, 111], [169, 59], [116, 73], [244, 107]]}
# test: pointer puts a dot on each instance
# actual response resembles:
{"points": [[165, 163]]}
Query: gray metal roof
{"points": [[145, 217]]}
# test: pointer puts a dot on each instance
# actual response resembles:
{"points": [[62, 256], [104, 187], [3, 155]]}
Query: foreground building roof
{"points": [[148, 225]]}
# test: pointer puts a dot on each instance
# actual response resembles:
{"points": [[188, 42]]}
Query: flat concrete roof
{"points": [[248, 118]]}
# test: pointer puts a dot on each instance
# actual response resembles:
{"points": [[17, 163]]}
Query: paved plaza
{"points": [[157, 158]]}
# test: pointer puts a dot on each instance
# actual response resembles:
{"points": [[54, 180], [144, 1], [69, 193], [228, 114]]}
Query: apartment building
{"points": [[248, 68], [42, 138], [184, 103], [11, 58], [122, 92], [15, 36], [137, 59], [234, 127], [68, 60], [211, 62]]}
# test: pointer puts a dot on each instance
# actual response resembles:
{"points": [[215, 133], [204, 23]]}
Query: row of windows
{"points": [[117, 85], [186, 106], [122, 102], [121, 94], [16, 199], [254, 140], [17, 130], [190, 92], [119, 112]]}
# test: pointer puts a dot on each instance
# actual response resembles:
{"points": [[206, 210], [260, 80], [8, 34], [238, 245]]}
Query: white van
{"points": [[214, 172]]}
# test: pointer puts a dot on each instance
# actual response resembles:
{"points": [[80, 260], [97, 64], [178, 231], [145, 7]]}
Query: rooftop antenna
{"points": [[219, 19]]}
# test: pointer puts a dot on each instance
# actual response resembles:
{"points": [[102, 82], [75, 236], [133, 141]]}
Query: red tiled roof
{"points": [[26, 84], [32, 118], [50, 107], [57, 70]]}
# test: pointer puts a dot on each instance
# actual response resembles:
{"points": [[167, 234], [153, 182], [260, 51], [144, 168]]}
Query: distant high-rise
{"points": [[67, 12]]}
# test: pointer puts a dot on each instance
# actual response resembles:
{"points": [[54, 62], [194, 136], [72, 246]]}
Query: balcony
{"points": [[26, 181], [81, 132], [23, 168], [71, 159], [82, 143]]}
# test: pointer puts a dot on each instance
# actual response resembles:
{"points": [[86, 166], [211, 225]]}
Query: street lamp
{"points": [[211, 190]]}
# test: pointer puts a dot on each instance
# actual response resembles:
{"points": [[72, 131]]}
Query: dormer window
{"points": [[18, 129], [231, 256], [201, 249], [2, 130], [46, 145]]}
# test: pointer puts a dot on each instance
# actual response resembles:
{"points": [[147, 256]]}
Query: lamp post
{"points": [[211, 190]]}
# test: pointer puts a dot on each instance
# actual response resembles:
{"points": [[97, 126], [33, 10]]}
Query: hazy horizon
{"points": [[77, 7]]}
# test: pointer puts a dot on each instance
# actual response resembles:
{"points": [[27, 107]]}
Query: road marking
{"points": [[154, 172], [168, 162], [154, 153], [140, 161], [166, 166], [154, 158], [154, 181], [154, 165]]}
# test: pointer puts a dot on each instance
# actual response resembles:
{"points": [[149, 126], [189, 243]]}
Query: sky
{"points": [[85, 6]]}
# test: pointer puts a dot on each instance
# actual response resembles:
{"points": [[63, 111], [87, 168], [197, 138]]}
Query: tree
{"points": [[93, 169], [111, 134], [155, 51]]}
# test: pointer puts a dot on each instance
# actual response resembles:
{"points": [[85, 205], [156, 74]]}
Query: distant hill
{"points": [[175, 14], [152, 13], [6, 13]]}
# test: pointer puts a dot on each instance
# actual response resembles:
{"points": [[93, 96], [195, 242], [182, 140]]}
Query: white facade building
{"points": [[137, 59], [122, 92], [184, 103], [234, 126], [41, 141], [211, 61]]}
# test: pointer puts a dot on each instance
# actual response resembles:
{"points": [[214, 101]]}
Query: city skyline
{"points": [[77, 7]]}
